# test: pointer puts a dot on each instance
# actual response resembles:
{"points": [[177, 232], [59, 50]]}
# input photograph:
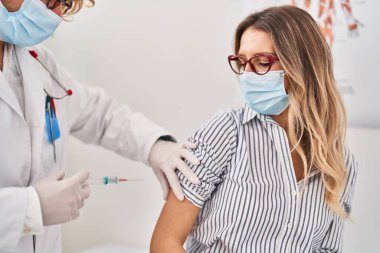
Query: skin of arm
{"points": [[175, 223]]}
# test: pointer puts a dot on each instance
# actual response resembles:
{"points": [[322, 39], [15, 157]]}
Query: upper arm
{"points": [[216, 145], [174, 225]]}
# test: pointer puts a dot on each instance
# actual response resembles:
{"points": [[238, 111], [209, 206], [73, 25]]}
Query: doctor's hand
{"points": [[165, 158], [62, 198]]}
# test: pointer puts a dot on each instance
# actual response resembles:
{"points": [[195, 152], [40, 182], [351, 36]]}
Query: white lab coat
{"points": [[26, 155]]}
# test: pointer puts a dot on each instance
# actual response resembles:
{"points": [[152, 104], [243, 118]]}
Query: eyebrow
{"points": [[272, 53]]}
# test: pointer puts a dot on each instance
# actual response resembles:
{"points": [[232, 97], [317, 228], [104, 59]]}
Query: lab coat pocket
{"points": [[51, 152], [47, 152]]}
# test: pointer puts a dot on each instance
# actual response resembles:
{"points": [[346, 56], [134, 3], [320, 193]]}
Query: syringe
{"points": [[108, 180]]}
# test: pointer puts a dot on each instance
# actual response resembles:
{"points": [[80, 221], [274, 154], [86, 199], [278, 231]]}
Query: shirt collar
{"points": [[249, 114]]}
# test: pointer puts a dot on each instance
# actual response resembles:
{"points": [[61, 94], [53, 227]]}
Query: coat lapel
{"points": [[8, 95], [34, 77]]}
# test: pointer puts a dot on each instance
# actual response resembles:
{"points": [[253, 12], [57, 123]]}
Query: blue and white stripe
{"points": [[249, 195]]}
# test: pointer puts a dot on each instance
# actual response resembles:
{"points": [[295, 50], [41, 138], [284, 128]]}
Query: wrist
{"points": [[160, 149], [33, 223], [167, 138]]}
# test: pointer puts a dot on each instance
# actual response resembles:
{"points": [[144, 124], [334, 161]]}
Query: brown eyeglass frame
{"points": [[67, 4], [271, 58]]}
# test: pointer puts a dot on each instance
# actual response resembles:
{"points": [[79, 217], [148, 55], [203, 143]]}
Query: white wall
{"points": [[167, 58], [363, 234]]}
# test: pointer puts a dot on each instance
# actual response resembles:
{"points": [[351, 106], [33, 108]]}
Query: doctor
{"points": [[40, 106]]}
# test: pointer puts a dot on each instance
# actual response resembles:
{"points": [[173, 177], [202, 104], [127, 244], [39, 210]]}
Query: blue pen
{"points": [[51, 130]]}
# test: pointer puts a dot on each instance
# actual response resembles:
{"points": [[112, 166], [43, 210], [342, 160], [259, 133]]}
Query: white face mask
{"points": [[30, 25], [265, 94]]}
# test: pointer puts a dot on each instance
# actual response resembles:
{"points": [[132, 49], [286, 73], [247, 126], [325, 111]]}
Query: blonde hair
{"points": [[317, 118], [77, 6]]}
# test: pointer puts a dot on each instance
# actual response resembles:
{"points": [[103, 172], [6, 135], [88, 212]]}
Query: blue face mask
{"points": [[265, 94], [30, 25]]}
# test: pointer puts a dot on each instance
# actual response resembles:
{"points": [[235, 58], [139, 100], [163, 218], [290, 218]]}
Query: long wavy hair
{"points": [[317, 117], [77, 6]]}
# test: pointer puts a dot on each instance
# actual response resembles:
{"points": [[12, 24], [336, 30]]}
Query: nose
{"points": [[248, 68]]}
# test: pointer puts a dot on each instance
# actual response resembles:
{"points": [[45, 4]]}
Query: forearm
{"points": [[99, 119]]}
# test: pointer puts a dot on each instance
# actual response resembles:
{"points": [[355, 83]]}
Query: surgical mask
{"points": [[30, 25], [265, 94]]}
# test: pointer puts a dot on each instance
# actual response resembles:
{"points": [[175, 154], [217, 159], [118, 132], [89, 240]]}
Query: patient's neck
{"points": [[282, 119]]}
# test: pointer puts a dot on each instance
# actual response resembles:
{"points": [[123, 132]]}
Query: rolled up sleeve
{"points": [[216, 144]]}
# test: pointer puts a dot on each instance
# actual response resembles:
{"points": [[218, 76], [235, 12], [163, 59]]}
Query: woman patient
{"points": [[276, 176]]}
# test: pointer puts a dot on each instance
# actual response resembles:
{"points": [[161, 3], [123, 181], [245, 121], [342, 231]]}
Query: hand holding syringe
{"points": [[109, 180]]}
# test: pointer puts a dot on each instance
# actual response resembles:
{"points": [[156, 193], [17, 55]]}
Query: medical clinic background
{"points": [[168, 59]]}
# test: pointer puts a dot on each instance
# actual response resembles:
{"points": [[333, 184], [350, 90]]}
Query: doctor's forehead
{"points": [[254, 41]]}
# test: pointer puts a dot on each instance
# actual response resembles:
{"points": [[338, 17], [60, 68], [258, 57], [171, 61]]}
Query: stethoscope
{"points": [[68, 92], [50, 109]]}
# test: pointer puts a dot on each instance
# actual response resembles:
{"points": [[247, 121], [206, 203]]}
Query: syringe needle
{"points": [[128, 180]]}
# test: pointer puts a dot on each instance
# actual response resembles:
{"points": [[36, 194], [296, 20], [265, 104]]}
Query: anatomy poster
{"points": [[352, 29]]}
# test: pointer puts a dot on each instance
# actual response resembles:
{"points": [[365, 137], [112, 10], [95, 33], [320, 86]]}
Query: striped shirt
{"points": [[249, 195]]}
